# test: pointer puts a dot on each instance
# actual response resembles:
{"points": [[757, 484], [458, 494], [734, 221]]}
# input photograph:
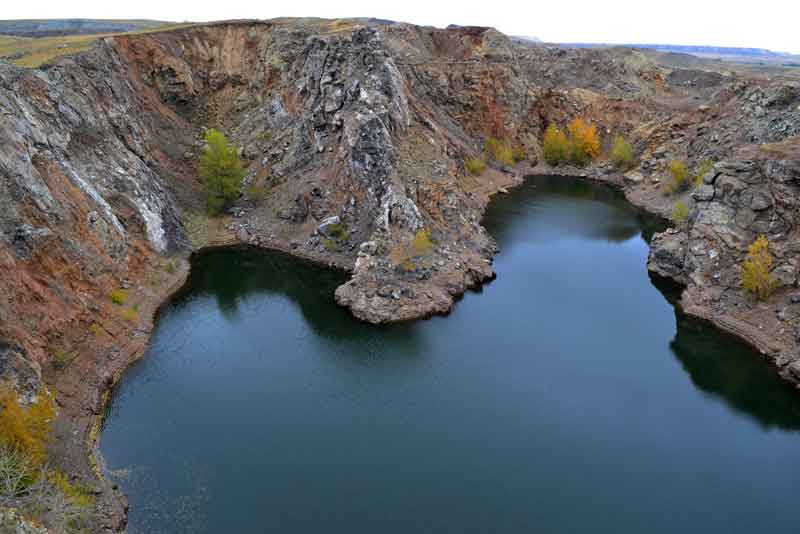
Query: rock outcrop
{"points": [[753, 193]]}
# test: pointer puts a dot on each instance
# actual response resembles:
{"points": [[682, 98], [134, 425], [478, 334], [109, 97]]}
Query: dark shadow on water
{"points": [[725, 367], [578, 203], [549, 403], [716, 363], [576, 188], [231, 275]]}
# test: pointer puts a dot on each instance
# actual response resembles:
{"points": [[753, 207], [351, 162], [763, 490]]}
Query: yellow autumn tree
{"points": [[500, 151], [26, 429], [757, 269], [555, 145], [680, 211], [678, 173], [422, 243], [622, 154], [584, 141], [475, 166]]}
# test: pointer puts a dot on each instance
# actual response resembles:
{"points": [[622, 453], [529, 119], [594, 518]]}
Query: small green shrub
{"points": [[338, 232], [257, 192], [500, 151], [703, 168], [131, 314], [518, 153], [622, 154], [15, 472], [408, 265], [475, 166], [119, 296], [678, 174], [78, 494], [62, 358], [171, 267], [680, 211], [331, 245], [214, 205], [421, 244]]}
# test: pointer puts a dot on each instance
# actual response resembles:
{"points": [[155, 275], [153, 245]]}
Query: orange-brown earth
{"points": [[358, 125]]}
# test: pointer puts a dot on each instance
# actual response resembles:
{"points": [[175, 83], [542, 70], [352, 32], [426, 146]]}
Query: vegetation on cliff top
{"points": [[118, 296], [33, 52]]}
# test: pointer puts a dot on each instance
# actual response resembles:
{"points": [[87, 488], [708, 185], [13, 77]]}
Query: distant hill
{"points": [[744, 55], [527, 38], [57, 27]]}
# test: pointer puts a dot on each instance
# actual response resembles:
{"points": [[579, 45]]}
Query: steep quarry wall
{"points": [[359, 131], [83, 203]]}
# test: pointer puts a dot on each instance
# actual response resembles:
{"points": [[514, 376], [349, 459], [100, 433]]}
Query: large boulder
{"points": [[668, 255]]}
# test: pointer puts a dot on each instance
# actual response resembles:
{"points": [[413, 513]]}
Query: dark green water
{"points": [[563, 397]]}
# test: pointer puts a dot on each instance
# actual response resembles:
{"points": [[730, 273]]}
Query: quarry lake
{"points": [[566, 396]]}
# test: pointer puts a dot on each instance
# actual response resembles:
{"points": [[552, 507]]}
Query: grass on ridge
{"points": [[32, 52]]}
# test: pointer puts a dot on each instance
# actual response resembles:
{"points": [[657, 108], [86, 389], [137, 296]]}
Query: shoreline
{"points": [[759, 342], [147, 325], [725, 324]]}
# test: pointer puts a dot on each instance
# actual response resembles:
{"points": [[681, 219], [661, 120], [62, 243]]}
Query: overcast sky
{"points": [[773, 24]]}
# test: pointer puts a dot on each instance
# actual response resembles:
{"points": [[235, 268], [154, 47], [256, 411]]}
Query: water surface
{"points": [[564, 397]]}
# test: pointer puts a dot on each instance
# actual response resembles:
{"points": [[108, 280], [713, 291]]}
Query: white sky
{"points": [[773, 24]]}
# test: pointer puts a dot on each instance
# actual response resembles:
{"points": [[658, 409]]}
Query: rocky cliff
{"points": [[359, 131]]}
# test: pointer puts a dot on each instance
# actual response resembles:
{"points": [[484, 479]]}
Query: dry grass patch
{"points": [[62, 358], [475, 166], [131, 314], [26, 429], [422, 244], [119, 296], [78, 494], [34, 52]]}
